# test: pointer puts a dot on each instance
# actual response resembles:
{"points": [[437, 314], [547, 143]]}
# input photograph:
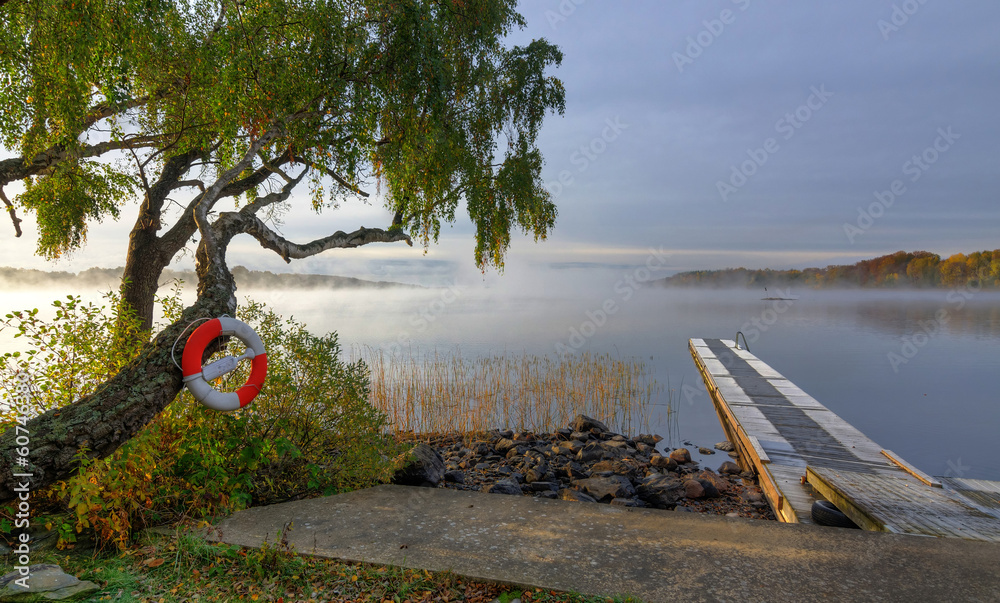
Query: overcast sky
{"points": [[727, 133]]}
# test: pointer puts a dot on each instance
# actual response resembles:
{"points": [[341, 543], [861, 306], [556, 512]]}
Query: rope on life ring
{"points": [[197, 377]]}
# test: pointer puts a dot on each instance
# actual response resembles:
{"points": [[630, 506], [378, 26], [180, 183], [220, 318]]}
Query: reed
{"points": [[448, 393]]}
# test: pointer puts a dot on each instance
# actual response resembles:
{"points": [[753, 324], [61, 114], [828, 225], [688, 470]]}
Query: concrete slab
{"points": [[602, 550]]}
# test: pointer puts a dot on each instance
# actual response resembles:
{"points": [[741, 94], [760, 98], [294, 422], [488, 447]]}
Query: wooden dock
{"points": [[801, 452]]}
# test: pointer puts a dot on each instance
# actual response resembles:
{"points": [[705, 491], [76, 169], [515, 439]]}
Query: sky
{"points": [[712, 134]]}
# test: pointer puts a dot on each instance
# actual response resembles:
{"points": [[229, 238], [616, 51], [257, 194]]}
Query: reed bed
{"points": [[448, 393]]}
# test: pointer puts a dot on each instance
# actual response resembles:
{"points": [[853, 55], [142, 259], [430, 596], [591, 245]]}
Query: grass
{"points": [[447, 393], [185, 568]]}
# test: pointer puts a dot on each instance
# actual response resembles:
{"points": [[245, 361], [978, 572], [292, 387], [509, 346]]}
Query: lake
{"points": [[918, 372]]}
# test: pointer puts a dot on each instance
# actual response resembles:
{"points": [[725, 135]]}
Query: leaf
{"points": [[153, 562]]}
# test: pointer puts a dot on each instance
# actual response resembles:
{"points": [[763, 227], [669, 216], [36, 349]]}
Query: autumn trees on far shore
{"points": [[898, 270]]}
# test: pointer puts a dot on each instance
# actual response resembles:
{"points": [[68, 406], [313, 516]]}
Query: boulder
{"points": [[649, 440], [604, 489], [47, 581], [725, 446], [538, 473], [421, 466], [585, 423], [569, 494], [663, 462], [720, 483], [503, 445], [592, 451], [454, 477], [662, 491], [505, 486], [730, 468], [542, 487], [572, 470], [681, 455], [693, 489], [705, 451], [582, 436], [709, 489], [627, 502]]}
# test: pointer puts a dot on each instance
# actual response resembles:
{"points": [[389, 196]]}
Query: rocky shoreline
{"points": [[586, 462]]}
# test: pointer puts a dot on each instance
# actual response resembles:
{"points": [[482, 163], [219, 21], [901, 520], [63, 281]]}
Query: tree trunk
{"points": [[118, 409], [141, 279]]}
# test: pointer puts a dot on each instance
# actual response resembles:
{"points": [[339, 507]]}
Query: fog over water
{"points": [[915, 371]]}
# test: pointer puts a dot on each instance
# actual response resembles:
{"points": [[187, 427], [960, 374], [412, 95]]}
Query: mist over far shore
{"points": [[28, 278]]}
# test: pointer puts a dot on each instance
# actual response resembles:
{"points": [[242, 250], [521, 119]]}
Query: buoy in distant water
{"points": [[197, 377]]}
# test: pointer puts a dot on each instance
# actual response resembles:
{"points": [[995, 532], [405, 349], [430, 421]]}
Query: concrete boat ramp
{"points": [[597, 549]]}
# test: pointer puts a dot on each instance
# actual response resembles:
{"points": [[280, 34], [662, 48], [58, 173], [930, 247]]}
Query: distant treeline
{"points": [[919, 269], [23, 278]]}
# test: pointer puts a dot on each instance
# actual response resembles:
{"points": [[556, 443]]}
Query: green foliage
{"points": [[420, 95], [66, 199], [68, 356], [900, 269], [310, 431]]}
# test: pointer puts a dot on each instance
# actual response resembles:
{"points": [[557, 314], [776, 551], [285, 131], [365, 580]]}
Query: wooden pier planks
{"points": [[788, 438]]}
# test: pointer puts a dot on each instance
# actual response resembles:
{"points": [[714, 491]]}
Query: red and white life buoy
{"points": [[197, 377]]}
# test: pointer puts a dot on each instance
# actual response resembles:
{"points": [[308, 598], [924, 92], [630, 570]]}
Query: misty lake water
{"points": [[918, 372]]}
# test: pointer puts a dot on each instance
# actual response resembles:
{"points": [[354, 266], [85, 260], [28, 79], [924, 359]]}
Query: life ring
{"points": [[197, 377]]}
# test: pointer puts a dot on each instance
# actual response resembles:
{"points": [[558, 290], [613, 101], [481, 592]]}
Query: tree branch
{"points": [[10, 206], [344, 183], [233, 223]]}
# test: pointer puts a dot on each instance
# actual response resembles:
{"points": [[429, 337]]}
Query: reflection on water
{"points": [[916, 372]]}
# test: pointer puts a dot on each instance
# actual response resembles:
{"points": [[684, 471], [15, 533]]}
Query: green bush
{"points": [[310, 431]]}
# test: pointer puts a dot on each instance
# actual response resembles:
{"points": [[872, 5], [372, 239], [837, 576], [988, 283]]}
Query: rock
{"points": [[732, 514], [662, 491], [568, 494], [708, 488], [592, 451], [47, 581], [421, 466], [585, 423], [725, 446], [663, 462], [649, 440], [734, 454], [505, 486], [705, 451], [503, 445], [645, 448], [506, 433], [626, 502], [570, 446], [564, 433], [454, 477], [693, 489], [481, 448], [752, 495], [482, 466], [516, 451], [730, 468], [539, 473], [681, 456], [604, 489], [719, 483], [683, 509], [572, 470], [543, 487], [581, 436]]}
